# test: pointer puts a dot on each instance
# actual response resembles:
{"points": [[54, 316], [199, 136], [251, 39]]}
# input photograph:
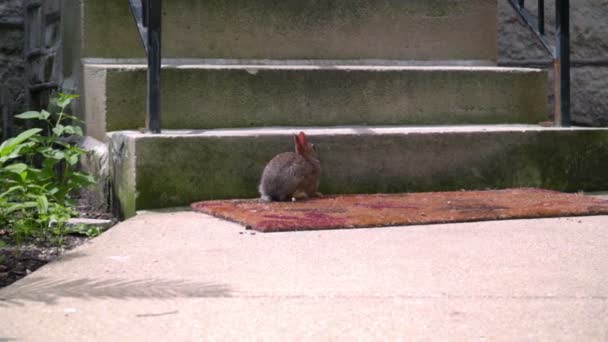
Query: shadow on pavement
{"points": [[41, 289]]}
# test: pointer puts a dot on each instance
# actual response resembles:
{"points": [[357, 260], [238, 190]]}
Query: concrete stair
{"points": [[179, 167], [295, 29], [206, 96], [397, 95]]}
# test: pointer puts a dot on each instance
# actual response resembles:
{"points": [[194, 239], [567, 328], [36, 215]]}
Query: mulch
{"points": [[17, 261], [381, 210]]}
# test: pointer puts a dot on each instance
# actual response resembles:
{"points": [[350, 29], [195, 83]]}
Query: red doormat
{"points": [[359, 211]]}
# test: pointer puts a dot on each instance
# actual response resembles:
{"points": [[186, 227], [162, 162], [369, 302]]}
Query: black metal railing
{"points": [[147, 15], [5, 109], [559, 49]]}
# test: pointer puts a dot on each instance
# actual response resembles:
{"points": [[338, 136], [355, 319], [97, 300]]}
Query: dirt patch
{"points": [[18, 261]]}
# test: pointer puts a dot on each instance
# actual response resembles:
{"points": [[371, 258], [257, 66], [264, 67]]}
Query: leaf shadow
{"points": [[42, 289]]}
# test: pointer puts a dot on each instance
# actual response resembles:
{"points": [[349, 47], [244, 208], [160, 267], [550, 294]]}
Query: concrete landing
{"points": [[184, 276]]}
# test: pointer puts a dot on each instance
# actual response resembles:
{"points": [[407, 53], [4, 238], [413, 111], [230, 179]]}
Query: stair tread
{"points": [[358, 130], [312, 66], [235, 61]]}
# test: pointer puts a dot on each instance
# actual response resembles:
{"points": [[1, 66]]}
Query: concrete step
{"points": [[180, 167], [206, 96], [288, 29]]}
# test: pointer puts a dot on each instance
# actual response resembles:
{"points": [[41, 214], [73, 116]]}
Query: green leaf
{"points": [[63, 144], [68, 129], [83, 179], [56, 154], [71, 117], [48, 168], [16, 153], [45, 149], [16, 168], [21, 206], [62, 103], [93, 232], [73, 130], [31, 115], [73, 159], [58, 130], [63, 100], [45, 115], [9, 145], [11, 190], [43, 204], [23, 176], [78, 131]]}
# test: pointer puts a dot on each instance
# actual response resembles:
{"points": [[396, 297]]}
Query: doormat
{"points": [[382, 210]]}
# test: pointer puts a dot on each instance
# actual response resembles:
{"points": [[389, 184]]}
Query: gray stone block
{"points": [[177, 168], [295, 29], [219, 96]]}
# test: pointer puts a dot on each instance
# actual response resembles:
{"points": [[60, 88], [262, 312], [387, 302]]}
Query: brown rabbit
{"points": [[291, 176]]}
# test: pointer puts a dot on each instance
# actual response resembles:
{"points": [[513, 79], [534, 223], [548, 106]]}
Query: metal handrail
{"points": [[147, 15], [5, 108], [559, 49]]}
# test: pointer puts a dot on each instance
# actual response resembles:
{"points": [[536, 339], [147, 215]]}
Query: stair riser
{"points": [[160, 171], [221, 98], [288, 29]]}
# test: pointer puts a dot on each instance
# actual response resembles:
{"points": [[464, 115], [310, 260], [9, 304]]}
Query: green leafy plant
{"points": [[39, 175], [88, 231]]}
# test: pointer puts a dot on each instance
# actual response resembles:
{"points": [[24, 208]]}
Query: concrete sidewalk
{"points": [[184, 276]]}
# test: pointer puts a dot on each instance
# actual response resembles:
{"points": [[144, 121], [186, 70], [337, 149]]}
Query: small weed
{"points": [[82, 229], [38, 175]]}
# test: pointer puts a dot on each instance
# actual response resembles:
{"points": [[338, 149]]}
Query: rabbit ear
{"points": [[301, 142], [302, 138]]}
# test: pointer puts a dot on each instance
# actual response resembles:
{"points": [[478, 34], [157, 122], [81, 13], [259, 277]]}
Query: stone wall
{"points": [[30, 72], [43, 51], [11, 55], [589, 42]]}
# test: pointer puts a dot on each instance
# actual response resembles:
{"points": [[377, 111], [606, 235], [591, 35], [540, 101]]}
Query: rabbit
{"points": [[292, 175]]}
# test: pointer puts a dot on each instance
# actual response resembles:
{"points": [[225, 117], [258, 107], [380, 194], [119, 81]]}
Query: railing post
{"points": [[541, 17], [153, 20], [5, 107], [561, 64]]}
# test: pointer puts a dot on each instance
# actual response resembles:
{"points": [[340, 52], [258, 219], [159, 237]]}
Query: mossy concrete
{"points": [[124, 170], [223, 96], [175, 169], [288, 29]]}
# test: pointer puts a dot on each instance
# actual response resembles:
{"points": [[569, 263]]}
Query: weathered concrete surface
{"points": [[589, 40], [96, 162], [219, 96], [173, 169], [334, 29], [188, 277]]}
